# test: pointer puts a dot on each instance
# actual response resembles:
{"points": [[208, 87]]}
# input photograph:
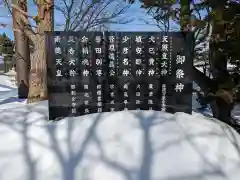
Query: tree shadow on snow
{"points": [[143, 172], [11, 99], [68, 162], [7, 87], [73, 158]]}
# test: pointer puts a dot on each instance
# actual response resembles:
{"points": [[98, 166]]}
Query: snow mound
{"points": [[132, 145], [5, 81], [8, 93], [2, 89]]}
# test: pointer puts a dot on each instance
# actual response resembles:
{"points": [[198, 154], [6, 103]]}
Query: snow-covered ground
{"points": [[132, 145]]}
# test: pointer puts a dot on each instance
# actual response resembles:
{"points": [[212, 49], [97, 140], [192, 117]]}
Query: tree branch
{"points": [[84, 14], [21, 11], [87, 11], [24, 23]]}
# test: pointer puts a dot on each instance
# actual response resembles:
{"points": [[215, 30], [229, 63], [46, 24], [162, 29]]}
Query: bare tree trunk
{"points": [[204, 82], [217, 59], [224, 95], [38, 73], [21, 50]]}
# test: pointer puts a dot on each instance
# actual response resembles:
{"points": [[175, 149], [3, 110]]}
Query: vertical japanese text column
{"points": [[58, 77], [171, 75], [164, 70], [112, 71], [72, 71], [98, 69], [58, 56], [150, 46], [125, 68], [85, 73], [61, 98], [180, 86], [183, 85], [138, 72]]}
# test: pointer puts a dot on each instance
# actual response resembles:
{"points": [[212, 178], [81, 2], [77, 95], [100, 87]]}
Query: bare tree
{"points": [[35, 33], [79, 15], [163, 16], [91, 14], [166, 17], [21, 55], [161, 20]]}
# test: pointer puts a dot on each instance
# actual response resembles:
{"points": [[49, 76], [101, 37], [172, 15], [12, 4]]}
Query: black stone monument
{"points": [[93, 72]]}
